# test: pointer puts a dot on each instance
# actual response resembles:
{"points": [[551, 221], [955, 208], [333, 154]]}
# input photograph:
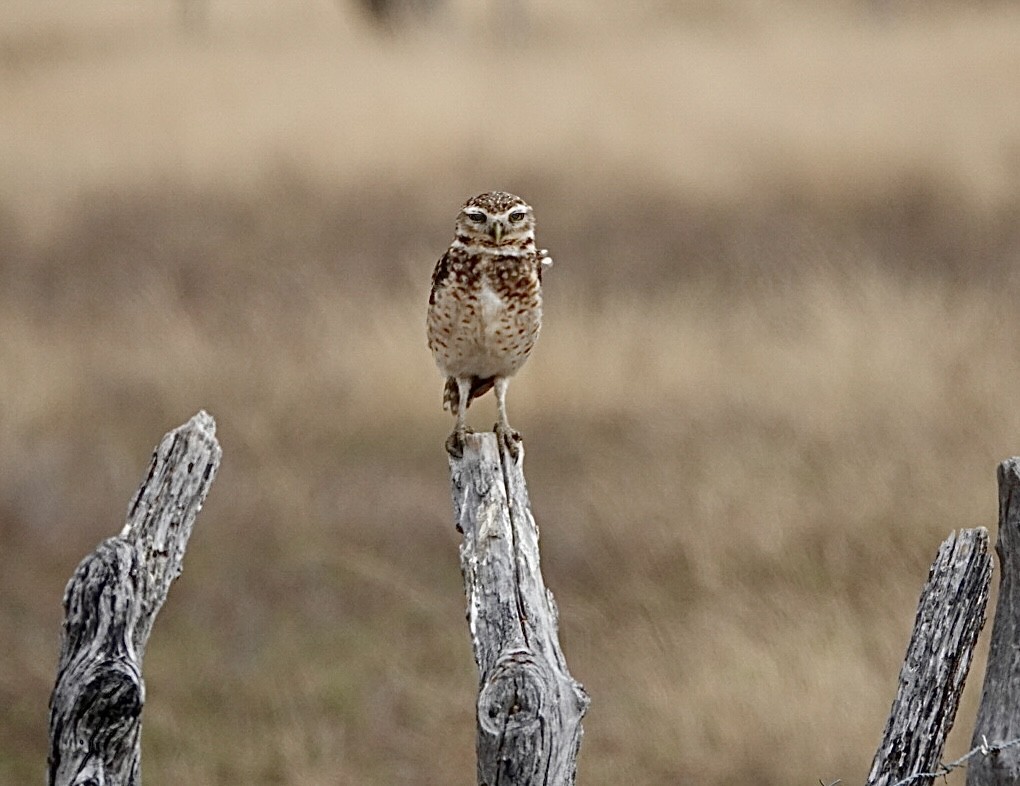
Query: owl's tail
{"points": [[451, 395]]}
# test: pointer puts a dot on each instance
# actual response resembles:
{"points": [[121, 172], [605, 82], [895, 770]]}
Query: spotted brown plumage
{"points": [[485, 307]]}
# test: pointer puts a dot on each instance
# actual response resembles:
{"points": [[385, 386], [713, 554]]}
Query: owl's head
{"points": [[496, 219]]}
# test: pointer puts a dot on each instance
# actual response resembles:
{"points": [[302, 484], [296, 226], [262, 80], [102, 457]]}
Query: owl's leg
{"points": [[509, 437], [455, 442]]}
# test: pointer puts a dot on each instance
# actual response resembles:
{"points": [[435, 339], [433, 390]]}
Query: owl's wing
{"points": [[439, 276]]}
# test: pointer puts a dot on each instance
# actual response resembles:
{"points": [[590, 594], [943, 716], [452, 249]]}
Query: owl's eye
{"points": [[517, 217], [478, 218]]}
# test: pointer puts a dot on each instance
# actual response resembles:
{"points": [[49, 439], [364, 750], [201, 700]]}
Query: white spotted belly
{"points": [[483, 336], [493, 307]]}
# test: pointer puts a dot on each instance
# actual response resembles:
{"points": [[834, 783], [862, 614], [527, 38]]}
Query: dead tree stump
{"points": [[950, 614], [998, 718], [529, 706], [110, 604]]}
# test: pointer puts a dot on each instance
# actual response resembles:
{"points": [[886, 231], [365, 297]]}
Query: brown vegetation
{"points": [[779, 364]]}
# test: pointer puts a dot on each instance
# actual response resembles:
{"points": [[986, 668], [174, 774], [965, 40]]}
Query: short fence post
{"points": [[529, 706], [949, 617], [110, 604], [998, 719]]}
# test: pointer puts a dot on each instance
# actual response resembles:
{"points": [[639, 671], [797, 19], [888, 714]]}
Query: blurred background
{"points": [[779, 361]]}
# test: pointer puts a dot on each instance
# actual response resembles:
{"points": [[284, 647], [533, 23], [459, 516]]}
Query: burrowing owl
{"points": [[485, 309]]}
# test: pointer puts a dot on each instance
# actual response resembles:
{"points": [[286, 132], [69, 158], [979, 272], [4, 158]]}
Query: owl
{"points": [[485, 307]]}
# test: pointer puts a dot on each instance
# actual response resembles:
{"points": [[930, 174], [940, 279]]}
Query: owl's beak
{"points": [[497, 231]]}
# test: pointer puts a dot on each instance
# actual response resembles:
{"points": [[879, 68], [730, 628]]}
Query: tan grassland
{"points": [[780, 363]]}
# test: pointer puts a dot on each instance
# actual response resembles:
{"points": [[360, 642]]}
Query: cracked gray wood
{"points": [[949, 617], [998, 718], [529, 707], [110, 604]]}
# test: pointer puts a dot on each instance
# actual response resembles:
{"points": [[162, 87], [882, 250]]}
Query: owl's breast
{"points": [[486, 320], [492, 306]]}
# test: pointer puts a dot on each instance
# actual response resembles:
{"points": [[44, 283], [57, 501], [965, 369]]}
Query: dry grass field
{"points": [[780, 363]]}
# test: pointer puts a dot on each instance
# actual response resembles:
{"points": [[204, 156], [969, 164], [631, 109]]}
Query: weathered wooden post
{"points": [[110, 604], [998, 718], [949, 617], [529, 706]]}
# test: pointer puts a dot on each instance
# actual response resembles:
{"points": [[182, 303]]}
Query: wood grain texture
{"points": [[110, 604], [950, 615], [529, 706], [998, 718]]}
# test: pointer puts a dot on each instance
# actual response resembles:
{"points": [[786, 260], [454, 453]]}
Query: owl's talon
{"points": [[510, 438], [455, 442], [455, 445]]}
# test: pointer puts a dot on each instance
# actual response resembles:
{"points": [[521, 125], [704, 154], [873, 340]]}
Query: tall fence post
{"points": [[949, 617], [998, 718], [529, 706], [110, 604]]}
